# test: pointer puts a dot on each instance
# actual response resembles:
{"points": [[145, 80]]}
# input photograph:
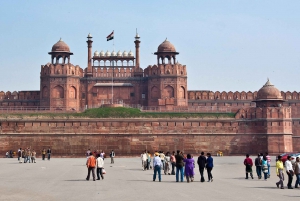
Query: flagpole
{"points": [[112, 77], [114, 40]]}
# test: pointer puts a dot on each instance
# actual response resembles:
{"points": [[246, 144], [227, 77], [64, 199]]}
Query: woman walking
{"points": [[209, 167], [264, 165], [189, 168]]}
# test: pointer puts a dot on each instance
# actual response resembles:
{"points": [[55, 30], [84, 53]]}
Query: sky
{"points": [[232, 45]]}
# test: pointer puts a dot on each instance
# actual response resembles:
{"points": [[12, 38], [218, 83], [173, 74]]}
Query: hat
{"points": [[156, 154]]}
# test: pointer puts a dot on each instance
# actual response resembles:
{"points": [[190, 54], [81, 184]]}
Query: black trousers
{"points": [[99, 173], [290, 179], [209, 169], [201, 170], [91, 169], [173, 169]]}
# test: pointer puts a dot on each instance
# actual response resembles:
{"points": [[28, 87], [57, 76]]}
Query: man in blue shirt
{"points": [[157, 166]]}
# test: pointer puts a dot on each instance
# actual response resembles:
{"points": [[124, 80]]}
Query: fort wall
{"points": [[131, 136]]}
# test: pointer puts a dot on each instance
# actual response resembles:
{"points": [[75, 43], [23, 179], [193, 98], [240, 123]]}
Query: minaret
{"points": [[137, 52], [89, 68]]}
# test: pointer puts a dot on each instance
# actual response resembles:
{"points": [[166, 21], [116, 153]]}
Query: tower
{"points": [[167, 81], [138, 72], [89, 70], [60, 80], [273, 119]]}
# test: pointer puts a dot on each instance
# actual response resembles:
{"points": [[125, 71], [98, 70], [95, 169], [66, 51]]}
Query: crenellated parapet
{"points": [[20, 95], [217, 95], [61, 69], [165, 69]]}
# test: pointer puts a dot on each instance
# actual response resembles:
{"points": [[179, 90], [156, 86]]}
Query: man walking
{"points": [[201, 163], [20, 155], [297, 172], [258, 166], [144, 160], [33, 156], [49, 153], [179, 166], [279, 172], [209, 167], [91, 164], [112, 156], [289, 171], [157, 164], [100, 166]]}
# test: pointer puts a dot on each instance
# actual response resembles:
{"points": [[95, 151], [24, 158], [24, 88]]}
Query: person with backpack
{"points": [[258, 166], [112, 156], [201, 163], [264, 164], [91, 164]]}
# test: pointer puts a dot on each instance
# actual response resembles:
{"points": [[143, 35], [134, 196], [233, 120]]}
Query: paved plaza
{"points": [[64, 179]]}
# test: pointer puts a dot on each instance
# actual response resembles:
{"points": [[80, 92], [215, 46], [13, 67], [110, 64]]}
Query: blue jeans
{"points": [[157, 170], [258, 171], [177, 173], [28, 159], [297, 180], [269, 169]]}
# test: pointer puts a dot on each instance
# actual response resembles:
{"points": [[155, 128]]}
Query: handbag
{"points": [[103, 171], [291, 173]]}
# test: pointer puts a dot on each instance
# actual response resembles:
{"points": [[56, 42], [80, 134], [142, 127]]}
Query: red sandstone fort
{"points": [[266, 120]]}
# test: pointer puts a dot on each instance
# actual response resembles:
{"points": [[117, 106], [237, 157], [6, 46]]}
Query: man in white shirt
{"points": [[157, 166], [100, 166], [289, 171], [144, 160]]}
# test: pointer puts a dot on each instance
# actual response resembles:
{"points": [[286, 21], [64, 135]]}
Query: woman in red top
{"points": [[248, 163]]}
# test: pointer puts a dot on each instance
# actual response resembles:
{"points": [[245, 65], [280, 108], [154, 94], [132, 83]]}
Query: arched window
{"points": [[58, 92], [169, 92], [72, 92], [181, 93], [60, 60]]}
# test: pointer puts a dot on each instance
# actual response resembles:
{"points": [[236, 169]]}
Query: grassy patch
{"points": [[119, 113]]}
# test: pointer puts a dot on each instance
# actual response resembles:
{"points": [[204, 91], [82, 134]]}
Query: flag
{"points": [[110, 36]]}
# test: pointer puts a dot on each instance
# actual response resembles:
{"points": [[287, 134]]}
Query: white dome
{"points": [[107, 54], [130, 54], [102, 54], [119, 54], [96, 54], [113, 53], [125, 54], [90, 35]]}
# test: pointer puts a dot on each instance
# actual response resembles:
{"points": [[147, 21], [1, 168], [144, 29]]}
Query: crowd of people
{"points": [[95, 161], [29, 155], [177, 164], [263, 163]]}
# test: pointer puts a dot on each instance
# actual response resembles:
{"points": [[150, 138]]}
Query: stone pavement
{"points": [[64, 179]]}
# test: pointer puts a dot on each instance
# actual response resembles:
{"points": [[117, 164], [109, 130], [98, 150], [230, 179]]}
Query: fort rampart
{"points": [[71, 137]]}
